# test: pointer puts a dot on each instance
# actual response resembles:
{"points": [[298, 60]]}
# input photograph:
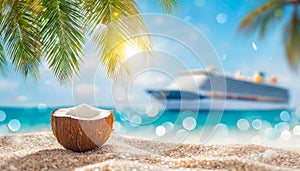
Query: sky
{"points": [[216, 21]]}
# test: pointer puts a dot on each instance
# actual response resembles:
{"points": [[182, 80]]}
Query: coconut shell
{"points": [[81, 135]]}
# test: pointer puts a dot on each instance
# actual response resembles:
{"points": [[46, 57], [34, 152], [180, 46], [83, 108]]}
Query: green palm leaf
{"points": [[21, 36], [3, 4], [292, 43], [168, 5], [2, 57], [62, 37], [112, 31], [116, 40], [2, 53], [262, 17]]}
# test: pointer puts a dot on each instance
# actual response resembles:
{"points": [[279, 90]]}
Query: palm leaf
{"points": [[63, 37], [168, 5], [112, 31], [2, 57], [115, 41], [107, 11], [2, 53], [262, 17], [3, 3], [292, 43], [21, 36]]}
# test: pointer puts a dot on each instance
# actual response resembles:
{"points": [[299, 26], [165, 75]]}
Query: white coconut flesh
{"points": [[83, 112]]}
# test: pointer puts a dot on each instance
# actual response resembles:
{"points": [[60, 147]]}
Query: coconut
{"points": [[82, 128]]}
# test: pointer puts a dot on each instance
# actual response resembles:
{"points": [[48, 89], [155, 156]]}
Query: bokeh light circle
{"points": [[14, 125], [243, 124], [135, 120], [160, 130], [222, 130], [2, 115], [168, 125], [152, 110], [189, 123], [257, 124], [221, 18], [285, 116], [296, 130]]}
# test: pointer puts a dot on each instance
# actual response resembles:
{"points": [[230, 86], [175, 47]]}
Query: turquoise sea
{"points": [[260, 127]]}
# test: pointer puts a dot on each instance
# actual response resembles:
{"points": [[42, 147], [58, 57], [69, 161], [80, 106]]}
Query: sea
{"points": [[279, 128]]}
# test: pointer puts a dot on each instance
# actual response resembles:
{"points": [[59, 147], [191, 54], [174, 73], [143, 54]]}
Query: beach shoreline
{"points": [[41, 151]]}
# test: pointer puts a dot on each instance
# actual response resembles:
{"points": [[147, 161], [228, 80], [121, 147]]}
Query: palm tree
{"points": [[267, 14], [54, 31]]}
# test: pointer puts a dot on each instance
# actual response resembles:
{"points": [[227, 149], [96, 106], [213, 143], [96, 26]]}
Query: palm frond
{"points": [[168, 5], [2, 53], [20, 33], [114, 22], [3, 4], [292, 43], [2, 57], [62, 37], [115, 41], [262, 17]]}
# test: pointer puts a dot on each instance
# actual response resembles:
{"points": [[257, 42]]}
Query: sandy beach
{"points": [[40, 151]]}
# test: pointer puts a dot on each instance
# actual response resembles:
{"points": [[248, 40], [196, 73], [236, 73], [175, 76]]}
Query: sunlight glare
{"points": [[131, 50]]}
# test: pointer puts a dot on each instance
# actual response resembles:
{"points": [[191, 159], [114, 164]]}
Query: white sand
{"points": [[40, 151]]}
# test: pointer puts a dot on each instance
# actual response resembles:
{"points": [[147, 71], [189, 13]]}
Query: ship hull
{"points": [[221, 104]]}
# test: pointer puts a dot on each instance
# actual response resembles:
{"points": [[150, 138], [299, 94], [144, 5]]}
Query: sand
{"points": [[40, 151]]}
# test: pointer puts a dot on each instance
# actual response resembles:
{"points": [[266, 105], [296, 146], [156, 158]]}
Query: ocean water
{"points": [[274, 128]]}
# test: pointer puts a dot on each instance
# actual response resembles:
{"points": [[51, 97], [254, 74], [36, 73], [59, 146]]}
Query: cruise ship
{"points": [[211, 90]]}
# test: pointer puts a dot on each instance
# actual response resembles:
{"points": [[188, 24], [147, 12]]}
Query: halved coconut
{"points": [[82, 128]]}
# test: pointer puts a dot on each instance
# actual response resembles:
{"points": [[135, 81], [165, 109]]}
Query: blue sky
{"points": [[217, 20]]}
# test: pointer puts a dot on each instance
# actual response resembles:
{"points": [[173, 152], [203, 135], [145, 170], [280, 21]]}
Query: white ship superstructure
{"points": [[199, 90]]}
